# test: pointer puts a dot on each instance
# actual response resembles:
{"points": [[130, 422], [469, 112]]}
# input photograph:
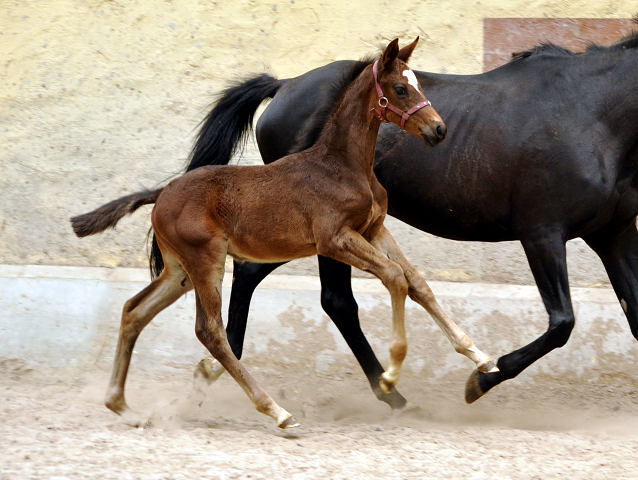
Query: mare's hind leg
{"points": [[617, 247], [137, 313], [246, 277], [338, 302], [420, 292], [547, 259], [206, 270]]}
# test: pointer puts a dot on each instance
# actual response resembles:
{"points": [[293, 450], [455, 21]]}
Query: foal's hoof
{"points": [[473, 389], [289, 422], [207, 371], [134, 419], [488, 367], [386, 385]]}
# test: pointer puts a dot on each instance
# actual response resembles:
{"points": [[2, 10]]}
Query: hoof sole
{"points": [[473, 390]]}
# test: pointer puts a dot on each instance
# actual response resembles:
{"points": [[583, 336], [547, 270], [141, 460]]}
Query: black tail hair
{"points": [[223, 133], [226, 128]]}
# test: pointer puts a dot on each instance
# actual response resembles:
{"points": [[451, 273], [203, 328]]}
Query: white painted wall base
{"points": [[68, 318]]}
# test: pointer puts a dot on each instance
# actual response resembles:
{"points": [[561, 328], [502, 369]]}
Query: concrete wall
{"points": [[68, 318]]}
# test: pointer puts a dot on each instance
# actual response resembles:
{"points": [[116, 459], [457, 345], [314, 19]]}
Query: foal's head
{"points": [[401, 98]]}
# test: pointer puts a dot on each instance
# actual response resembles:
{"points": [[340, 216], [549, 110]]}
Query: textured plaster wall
{"points": [[100, 98]]}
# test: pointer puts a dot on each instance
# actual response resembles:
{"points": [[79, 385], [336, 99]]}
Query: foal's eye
{"points": [[400, 90]]}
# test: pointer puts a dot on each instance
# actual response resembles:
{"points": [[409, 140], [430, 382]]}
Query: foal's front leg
{"points": [[350, 247], [420, 292]]}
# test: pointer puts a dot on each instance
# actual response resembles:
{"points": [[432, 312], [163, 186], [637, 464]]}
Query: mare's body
{"points": [[541, 150]]}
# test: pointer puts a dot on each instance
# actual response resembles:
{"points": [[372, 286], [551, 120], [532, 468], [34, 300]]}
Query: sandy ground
{"points": [[54, 427]]}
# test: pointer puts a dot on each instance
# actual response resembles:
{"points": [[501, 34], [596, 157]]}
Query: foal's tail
{"points": [[223, 133], [109, 214]]}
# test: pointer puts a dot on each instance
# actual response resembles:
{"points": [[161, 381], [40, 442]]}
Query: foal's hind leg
{"points": [[420, 292], [246, 277], [206, 270], [137, 313], [617, 247]]}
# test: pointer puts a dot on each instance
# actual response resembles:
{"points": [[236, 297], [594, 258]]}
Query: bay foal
{"points": [[323, 200]]}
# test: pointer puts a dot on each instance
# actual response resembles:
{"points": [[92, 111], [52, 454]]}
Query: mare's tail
{"points": [[228, 125], [223, 133], [108, 215]]}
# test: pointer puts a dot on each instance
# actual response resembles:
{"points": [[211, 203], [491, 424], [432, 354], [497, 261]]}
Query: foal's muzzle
{"points": [[435, 134]]}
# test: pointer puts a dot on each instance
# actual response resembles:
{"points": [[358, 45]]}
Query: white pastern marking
{"points": [[409, 74]]}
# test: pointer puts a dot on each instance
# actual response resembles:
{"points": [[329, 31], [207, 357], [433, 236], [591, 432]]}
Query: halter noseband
{"points": [[384, 103]]}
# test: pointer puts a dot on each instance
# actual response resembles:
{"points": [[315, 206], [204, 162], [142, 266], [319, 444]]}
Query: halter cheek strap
{"points": [[385, 104]]}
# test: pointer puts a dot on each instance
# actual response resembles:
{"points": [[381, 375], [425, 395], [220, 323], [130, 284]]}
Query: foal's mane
{"points": [[629, 41], [334, 92]]}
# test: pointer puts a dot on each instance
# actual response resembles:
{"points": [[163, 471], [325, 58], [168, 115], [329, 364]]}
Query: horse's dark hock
{"points": [[541, 150], [323, 200]]}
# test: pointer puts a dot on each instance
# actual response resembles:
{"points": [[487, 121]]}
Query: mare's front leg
{"points": [[617, 247], [547, 259], [420, 292], [246, 277], [350, 247], [338, 302]]}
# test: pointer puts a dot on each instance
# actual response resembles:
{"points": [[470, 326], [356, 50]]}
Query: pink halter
{"points": [[384, 103]]}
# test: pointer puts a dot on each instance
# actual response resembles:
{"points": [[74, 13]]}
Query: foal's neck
{"points": [[351, 136]]}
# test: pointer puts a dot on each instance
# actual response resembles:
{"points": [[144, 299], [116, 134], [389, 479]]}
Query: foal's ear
{"points": [[405, 52], [390, 54]]}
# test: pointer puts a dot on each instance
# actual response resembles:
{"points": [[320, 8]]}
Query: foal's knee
{"points": [[395, 280], [419, 290]]}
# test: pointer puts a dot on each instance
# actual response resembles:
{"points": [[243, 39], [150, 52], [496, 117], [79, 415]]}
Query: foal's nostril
{"points": [[441, 131]]}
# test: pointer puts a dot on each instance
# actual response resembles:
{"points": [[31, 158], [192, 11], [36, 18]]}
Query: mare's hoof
{"points": [[290, 422], [473, 390]]}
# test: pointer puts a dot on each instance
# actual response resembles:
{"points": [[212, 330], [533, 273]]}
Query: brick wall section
{"points": [[503, 36]]}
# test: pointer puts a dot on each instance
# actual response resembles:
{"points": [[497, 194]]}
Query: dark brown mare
{"points": [[541, 150], [323, 200]]}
